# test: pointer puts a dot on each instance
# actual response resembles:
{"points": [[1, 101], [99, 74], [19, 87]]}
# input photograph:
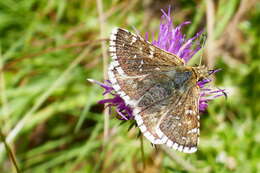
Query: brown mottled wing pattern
{"points": [[141, 74], [181, 124], [132, 55], [134, 59], [131, 72], [148, 104]]}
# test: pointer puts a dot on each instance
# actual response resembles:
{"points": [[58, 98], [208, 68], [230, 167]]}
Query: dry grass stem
{"points": [[105, 63], [183, 163], [210, 47]]}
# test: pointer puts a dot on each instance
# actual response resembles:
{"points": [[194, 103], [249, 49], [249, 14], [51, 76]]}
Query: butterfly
{"points": [[160, 88]]}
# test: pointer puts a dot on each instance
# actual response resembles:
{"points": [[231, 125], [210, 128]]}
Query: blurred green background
{"points": [[49, 114]]}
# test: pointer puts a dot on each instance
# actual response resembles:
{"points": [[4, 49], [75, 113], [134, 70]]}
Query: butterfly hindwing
{"points": [[181, 124], [153, 104], [148, 96]]}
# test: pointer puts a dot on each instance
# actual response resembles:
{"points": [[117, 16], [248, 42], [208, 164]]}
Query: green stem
{"points": [[142, 151], [10, 152]]}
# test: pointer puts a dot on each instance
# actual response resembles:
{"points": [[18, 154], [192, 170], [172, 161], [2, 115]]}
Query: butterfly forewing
{"points": [[132, 55]]}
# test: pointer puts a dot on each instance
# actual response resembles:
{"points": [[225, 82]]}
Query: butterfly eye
{"points": [[201, 79]]}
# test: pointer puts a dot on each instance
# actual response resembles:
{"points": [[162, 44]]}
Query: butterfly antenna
{"points": [[204, 38], [224, 93], [136, 31]]}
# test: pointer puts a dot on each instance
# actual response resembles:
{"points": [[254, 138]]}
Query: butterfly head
{"points": [[201, 72]]}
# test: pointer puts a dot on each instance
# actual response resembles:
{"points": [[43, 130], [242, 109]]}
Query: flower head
{"points": [[170, 39], [124, 111]]}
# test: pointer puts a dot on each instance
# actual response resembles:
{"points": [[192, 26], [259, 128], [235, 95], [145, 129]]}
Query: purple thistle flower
{"points": [[208, 94], [170, 39], [124, 111]]}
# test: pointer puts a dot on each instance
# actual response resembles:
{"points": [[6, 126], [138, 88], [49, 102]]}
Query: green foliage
{"points": [[49, 112]]}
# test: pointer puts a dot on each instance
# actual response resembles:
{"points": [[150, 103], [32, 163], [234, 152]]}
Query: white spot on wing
{"points": [[191, 150], [113, 37], [169, 143], [113, 55], [126, 97], [175, 146], [139, 121], [113, 80], [116, 87], [120, 71], [190, 112], [143, 128], [138, 117], [151, 47], [176, 117], [115, 63], [122, 93], [151, 51], [180, 148], [158, 141], [159, 133], [149, 136], [111, 74], [186, 149], [114, 31], [164, 139], [194, 130], [111, 67], [136, 111], [112, 49], [112, 43], [133, 40], [131, 102]]}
